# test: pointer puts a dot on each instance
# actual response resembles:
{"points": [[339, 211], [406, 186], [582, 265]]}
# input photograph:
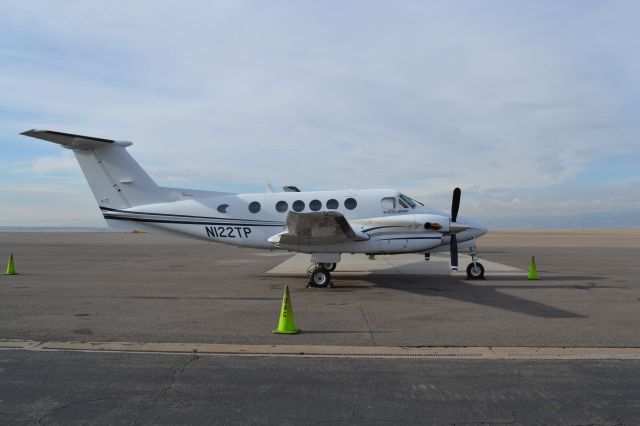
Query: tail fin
{"points": [[116, 179]]}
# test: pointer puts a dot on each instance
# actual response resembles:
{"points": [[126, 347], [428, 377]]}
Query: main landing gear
{"points": [[329, 266], [475, 270], [320, 275]]}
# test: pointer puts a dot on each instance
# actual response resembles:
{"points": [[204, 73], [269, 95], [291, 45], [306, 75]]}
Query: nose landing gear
{"points": [[475, 270]]}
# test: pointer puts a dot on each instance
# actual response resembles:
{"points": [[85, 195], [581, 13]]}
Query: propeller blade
{"points": [[455, 204], [453, 249]]}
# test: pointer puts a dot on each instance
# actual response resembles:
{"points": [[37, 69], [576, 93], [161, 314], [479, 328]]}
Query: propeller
{"points": [[455, 204], [453, 249], [453, 242]]}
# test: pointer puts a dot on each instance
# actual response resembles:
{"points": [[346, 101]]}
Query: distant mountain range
{"points": [[594, 221], [55, 229]]}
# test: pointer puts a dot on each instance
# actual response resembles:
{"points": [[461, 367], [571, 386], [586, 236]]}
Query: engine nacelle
{"points": [[432, 222]]}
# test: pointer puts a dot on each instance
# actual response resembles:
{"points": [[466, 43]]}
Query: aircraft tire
{"points": [[475, 271], [320, 278], [329, 266]]}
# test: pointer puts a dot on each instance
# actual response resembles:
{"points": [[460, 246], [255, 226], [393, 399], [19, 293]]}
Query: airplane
{"points": [[324, 224]]}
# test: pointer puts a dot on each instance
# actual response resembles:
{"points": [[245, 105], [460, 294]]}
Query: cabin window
{"points": [[332, 204], [315, 205], [350, 203], [388, 203], [298, 205], [282, 206], [222, 208], [254, 207]]}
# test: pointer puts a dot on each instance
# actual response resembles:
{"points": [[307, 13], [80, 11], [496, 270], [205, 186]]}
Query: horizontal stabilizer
{"points": [[72, 141], [116, 179]]}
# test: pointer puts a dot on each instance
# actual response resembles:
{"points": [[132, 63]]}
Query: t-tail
{"points": [[116, 179]]}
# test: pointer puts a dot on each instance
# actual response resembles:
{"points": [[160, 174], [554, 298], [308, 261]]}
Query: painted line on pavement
{"points": [[433, 352]]}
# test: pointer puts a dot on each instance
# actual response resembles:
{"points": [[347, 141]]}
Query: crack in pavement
{"points": [[488, 422], [162, 393], [44, 416], [366, 323]]}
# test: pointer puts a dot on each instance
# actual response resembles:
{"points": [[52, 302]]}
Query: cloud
{"points": [[41, 189], [62, 203], [611, 205], [52, 164], [421, 97]]}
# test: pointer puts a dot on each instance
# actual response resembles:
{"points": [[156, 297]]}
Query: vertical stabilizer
{"points": [[116, 179]]}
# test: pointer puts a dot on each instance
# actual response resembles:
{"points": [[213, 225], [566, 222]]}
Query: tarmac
{"points": [[138, 328]]}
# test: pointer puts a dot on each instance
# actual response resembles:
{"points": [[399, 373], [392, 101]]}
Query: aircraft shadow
{"points": [[476, 292], [466, 291], [307, 331], [544, 277]]}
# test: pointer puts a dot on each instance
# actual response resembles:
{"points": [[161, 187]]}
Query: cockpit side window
{"points": [[388, 203]]}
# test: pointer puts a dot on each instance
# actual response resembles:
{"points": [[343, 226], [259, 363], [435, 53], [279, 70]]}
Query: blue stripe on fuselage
{"points": [[186, 216], [183, 222]]}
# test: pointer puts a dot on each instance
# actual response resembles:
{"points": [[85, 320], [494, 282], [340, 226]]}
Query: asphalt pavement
{"points": [[108, 388], [111, 287]]}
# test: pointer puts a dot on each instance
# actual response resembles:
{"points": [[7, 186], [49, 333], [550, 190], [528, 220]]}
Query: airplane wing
{"points": [[317, 228]]}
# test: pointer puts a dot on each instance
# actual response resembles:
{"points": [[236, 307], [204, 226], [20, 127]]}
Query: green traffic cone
{"points": [[286, 324], [11, 269], [533, 273]]}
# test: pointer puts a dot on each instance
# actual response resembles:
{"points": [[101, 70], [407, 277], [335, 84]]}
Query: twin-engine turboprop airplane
{"points": [[324, 224]]}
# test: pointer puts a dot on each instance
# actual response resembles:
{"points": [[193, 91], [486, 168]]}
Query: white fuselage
{"points": [[322, 223], [389, 224]]}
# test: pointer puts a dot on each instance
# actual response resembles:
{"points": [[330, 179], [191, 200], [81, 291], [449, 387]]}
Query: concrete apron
{"points": [[407, 264]]}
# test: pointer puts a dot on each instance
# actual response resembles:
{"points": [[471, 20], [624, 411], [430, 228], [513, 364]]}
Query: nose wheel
{"points": [[475, 270]]}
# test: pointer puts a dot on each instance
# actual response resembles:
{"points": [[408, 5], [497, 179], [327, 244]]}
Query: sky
{"points": [[532, 108]]}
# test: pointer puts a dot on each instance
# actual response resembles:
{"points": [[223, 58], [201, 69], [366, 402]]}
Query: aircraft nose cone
{"points": [[475, 228], [479, 229]]}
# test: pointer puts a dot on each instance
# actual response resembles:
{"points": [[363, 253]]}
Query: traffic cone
{"points": [[286, 325], [533, 274], [11, 269]]}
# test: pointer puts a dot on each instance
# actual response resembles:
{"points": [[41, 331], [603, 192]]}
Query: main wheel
{"points": [[320, 277], [329, 266], [475, 271]]}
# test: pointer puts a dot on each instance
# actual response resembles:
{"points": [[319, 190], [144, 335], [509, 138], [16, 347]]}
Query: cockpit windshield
{"points": [[410, 201]]}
